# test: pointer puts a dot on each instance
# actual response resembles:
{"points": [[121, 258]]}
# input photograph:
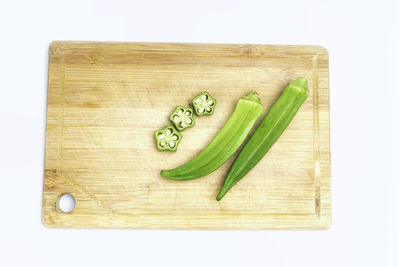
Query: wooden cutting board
{"points": [[105, 100]]}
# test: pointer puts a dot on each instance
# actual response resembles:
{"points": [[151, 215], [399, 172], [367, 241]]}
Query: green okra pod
{"points": [[269, 130], [225, 144]]}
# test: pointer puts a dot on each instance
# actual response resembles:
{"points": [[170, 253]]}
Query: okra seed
{"points": [[163, 144], [203, 97], [168, 132], [208, 109], [210, 102], [176, 118], [172, 144], [201, 110], [197, 101], [188, 121], [180, 111], [174, 137], [187, 113], [161, 136]]}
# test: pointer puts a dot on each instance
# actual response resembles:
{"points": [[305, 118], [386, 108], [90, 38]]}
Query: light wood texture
{"points": [[105, 100]]}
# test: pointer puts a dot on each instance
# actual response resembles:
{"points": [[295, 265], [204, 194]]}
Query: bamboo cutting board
{"points": [[105, 100]]}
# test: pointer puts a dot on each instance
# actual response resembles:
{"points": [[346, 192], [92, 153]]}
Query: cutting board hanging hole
{"points": [[66, 203]]}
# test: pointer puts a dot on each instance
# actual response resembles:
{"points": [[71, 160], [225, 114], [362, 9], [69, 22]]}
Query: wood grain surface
{"points": [[105, 100]]}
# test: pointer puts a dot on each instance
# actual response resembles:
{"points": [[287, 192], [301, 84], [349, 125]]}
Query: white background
{"points": [[361, 37]]}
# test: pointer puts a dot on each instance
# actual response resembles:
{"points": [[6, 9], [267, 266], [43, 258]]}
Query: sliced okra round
{"points": [[204, 104], [182, 118], [168, 138]]}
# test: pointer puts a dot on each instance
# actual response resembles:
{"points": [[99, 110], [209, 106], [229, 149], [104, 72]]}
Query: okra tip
{"points": [[225, 188], [220, 195]]}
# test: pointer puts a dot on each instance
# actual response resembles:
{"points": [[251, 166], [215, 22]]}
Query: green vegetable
{"points": [[225, 144], [269, 130], [204, 104], [182, 118], [168, 138]]}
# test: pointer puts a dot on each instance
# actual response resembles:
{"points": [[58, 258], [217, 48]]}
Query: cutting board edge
{"points": [[60, 46]]}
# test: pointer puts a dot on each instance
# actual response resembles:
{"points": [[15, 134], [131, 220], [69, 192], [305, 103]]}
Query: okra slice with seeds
{"points": [[182, 118], [204, 104], [168, 138]]}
